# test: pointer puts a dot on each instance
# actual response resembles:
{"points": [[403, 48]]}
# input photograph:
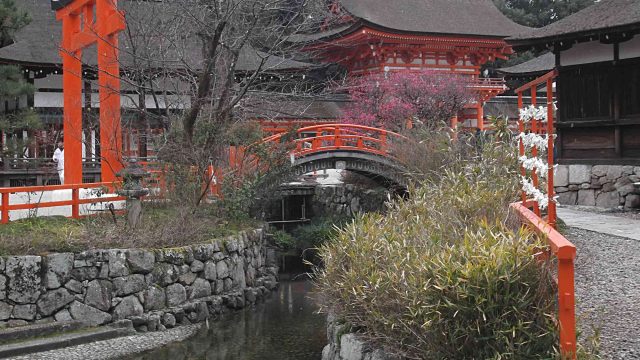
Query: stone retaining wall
{"points": [[607, 186], [155, 289], [345, 345], [347, 199]]}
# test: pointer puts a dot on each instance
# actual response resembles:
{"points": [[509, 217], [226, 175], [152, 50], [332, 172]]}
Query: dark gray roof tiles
{"points": [[453, 17], [605, 15], [38, 43], [541, 64]]}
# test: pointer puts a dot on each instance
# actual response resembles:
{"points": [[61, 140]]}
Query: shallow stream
{"points": [[285, 326]]}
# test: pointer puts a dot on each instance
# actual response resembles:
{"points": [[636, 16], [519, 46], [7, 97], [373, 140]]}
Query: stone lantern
{"points": [[132, 189]]}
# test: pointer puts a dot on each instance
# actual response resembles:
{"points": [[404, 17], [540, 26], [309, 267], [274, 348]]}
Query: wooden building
{"points": [[596, 53]]}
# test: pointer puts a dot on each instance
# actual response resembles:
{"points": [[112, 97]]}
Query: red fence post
{"points": [[5, 208], [75, 206], [523, 171], [383, 142], [534, 151], [566, 307], [550, 160]]}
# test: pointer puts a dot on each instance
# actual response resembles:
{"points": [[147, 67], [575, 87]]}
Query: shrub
{"points": [[443, 275], [319, 231], [283, 240]]}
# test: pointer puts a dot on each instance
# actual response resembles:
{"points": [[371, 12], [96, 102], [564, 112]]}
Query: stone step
{"points": [[13, 334], [81, 336]]}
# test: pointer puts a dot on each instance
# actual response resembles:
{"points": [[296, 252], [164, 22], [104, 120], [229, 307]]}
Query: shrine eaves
{"points": [[59, 4]]}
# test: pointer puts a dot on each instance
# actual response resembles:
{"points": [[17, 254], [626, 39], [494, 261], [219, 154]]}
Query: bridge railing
{"points": [[333, 137]]}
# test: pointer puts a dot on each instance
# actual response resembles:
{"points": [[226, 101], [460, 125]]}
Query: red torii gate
{"points": [[84, 23]]}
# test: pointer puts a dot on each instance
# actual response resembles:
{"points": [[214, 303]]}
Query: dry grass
{"points": [[163, 226]]}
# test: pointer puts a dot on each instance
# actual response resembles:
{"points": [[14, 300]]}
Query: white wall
{"points": [[57, 195], [587, 53], [630, 49]]}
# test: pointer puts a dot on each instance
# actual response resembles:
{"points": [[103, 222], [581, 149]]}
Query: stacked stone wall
{"points": [[346, 345], [607, 186], [347, 199], [155, 289]]}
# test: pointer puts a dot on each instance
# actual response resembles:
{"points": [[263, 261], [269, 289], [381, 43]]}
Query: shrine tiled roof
{"points": [[602, 17], [38, 43], [537, 65], [451, 17]]}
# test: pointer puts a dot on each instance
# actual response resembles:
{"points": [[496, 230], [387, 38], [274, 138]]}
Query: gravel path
{"points": [[608, 291], [116, 348]]}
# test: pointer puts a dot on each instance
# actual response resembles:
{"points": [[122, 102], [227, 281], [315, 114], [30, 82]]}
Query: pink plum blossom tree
{"points": [[391, 100]]}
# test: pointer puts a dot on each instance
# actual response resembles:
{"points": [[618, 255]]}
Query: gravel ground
{"points": [[117, 348], [608, 291]]}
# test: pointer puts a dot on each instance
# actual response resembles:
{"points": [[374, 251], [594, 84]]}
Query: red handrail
{"points": [[332, 137], [6, 207], [565, 251]]}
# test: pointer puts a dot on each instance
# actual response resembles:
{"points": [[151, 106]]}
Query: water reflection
{"points": [[284, 327]]}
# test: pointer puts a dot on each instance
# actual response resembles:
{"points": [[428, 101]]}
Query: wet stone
{"points": [[24, 312], [99, 294], [117, 263], [5, 310], [165, 274], [53, 301], [187, 278], [63, 315], [140, 261], [168, 320], [154, 298], [129, 284], [74, 286], [197, 266], [129, 306], [200, 288], [23, 273], [210, 270], [222, 269], [203, 252], [57, 269], [85, 273], [176, 295], [88, 314], [3, 287]]}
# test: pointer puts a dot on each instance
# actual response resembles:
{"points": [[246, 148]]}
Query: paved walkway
{"points": [[601, 223], [607, 280], [117, 348]]}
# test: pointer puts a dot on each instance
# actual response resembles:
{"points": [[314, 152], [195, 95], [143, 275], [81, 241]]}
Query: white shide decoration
{"points": [[537, 163]]}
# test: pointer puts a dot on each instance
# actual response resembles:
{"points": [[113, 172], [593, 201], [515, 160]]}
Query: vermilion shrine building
{"points": [[371, 36]]}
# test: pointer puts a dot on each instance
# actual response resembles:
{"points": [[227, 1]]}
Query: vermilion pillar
{"points": [[480, 122], [72, 84], [82, 29], [109, 81]]}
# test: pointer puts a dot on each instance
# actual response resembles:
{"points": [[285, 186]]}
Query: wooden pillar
{"points": [[480, 121], [72, 120], [454, 126], [550, 159], [109, 80]]}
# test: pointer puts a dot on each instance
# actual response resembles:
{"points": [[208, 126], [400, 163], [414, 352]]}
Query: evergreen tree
{"points": [[12, 82], [539, 13]]}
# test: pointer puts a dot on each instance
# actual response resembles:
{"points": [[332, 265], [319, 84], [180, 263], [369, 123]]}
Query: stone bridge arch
{"points": [[385, 171]]}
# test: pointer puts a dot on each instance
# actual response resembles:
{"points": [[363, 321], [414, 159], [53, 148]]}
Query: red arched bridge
{"points": [[362, 149]]}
